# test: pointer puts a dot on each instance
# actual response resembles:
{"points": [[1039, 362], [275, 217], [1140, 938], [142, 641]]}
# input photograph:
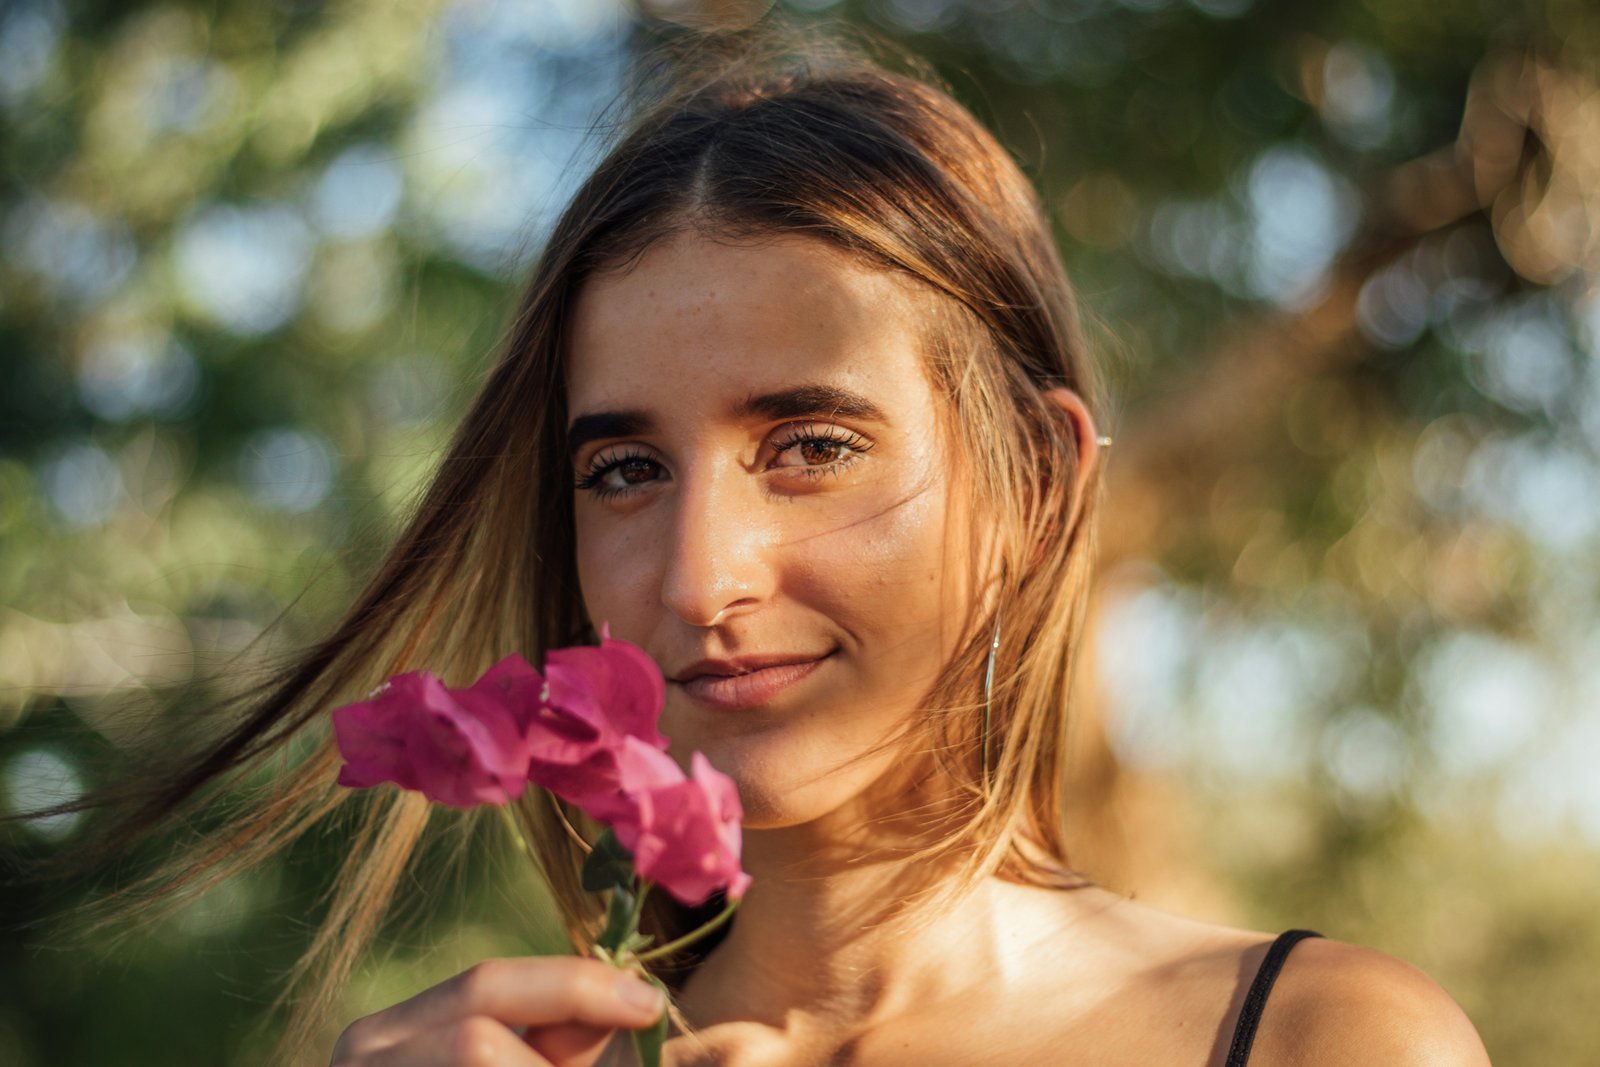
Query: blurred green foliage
{"points": [[1341, 264]]}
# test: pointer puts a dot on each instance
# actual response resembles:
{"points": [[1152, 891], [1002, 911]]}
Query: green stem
{"points": [[642, 888], [691, 937]]}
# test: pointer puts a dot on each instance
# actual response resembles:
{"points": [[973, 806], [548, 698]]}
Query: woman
{"points": [[797, 402]]}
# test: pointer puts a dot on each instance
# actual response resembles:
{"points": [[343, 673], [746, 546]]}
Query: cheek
{"points": [[893, 568], [612, 572]]}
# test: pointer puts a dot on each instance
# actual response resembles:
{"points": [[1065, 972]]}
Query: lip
{"points": [[749, 689]]}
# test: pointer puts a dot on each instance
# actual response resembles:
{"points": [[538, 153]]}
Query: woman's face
{"points": [[762, 477]]}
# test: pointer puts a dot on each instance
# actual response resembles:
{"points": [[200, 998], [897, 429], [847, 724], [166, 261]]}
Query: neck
{"points": [[841, 928]]}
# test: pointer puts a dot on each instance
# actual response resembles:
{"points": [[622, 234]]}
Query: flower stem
{"points": [[641, 888], [691, 937]]}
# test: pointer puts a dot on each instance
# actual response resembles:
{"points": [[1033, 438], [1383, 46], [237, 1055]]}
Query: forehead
{"points": [[696, 320]]}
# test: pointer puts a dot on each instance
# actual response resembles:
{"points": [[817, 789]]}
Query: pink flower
{"points": [[586, 730], [460, 747], [597, 698], [633, 766], [684, 832]]}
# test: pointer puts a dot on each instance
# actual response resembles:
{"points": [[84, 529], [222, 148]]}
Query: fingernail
{"points": [[641, 995]]}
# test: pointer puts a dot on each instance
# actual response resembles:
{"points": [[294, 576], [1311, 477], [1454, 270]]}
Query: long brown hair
{"points": [[883, 165]]}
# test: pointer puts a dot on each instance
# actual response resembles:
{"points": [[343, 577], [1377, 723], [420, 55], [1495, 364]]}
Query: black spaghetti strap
{"points": [[1244, 1034]]}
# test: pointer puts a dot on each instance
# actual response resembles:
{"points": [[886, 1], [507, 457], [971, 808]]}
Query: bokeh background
{"points": [[1342, 260]]}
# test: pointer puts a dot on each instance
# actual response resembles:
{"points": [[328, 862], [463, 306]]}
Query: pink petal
{"points": [[516, 685], [498, 745], [686, 838], [371, 735], [460, 748], [718, 786], [557, 735], [641, 766], [639, 691], [638, 768], [616, 687], [445, 763], [579, 781]]}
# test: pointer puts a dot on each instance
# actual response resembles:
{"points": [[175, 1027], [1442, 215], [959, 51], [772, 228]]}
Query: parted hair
{"points": [[737, 139]]}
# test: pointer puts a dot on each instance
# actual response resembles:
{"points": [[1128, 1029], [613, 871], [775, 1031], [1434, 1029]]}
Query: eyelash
{"points": [[858, 445]]}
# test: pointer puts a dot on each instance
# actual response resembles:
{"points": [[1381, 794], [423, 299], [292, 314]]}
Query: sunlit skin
{"points": [[731, 536], [719, 543], [736, 535], [726, 534]]}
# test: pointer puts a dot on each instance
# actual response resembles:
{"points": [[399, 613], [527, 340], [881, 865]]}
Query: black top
{"points": [[1244, 1034]]}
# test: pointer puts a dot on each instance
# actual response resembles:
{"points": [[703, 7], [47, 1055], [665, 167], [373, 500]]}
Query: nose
{"points": [[716, 547]]}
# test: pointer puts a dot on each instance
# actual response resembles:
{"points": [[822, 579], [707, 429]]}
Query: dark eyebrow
{"points": [[804, 401], [799, 402], [603, 424]]}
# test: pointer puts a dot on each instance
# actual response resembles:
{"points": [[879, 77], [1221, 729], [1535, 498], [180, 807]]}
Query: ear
{"points": [[1087, 436]]}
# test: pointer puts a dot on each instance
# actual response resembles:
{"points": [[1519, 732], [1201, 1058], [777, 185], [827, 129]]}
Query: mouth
{"points": [[749, 689]]}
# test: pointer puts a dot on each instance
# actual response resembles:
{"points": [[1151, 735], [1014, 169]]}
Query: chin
{"points": [[773, 792], [791, 791], [769, 809], [790, 768], [782, 790]]}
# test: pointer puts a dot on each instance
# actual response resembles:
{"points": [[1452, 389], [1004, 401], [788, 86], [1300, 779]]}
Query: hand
{"points": [[569, 1007]]}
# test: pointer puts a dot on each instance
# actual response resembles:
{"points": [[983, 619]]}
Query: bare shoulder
{"points": [[1336, 1003]]}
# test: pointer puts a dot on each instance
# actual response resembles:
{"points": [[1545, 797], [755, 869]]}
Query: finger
{"points": [[525, 991], [569, 1044], [476, 1041]]}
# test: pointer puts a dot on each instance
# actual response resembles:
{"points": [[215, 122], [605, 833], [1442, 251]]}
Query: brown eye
{"points": [[634, 472], [817, 451], [611, 476], [820, 450]]}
